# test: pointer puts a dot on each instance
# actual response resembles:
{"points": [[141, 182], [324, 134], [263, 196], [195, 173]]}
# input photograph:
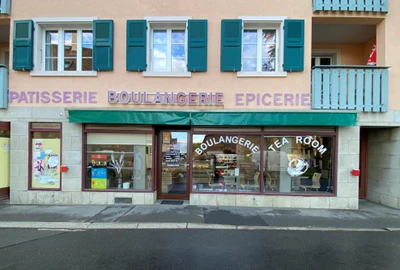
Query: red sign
{"points": [[99, 156]]}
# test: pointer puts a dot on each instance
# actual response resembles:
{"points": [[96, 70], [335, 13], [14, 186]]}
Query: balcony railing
{"points": [[361, 88], [3, 87], [5, 6], [351, 5]]}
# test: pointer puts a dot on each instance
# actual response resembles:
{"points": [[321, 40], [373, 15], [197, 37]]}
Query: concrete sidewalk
{"points": [[369, 217]]}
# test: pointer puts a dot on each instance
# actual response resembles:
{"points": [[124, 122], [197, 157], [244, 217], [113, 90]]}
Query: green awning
{"points": [[273, 119], [129, 117], [214, 118]]}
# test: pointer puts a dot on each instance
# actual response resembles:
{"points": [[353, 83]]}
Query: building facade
{"points": [[215, 102]]}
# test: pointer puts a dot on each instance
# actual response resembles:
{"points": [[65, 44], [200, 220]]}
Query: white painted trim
{"points": [[63, 73], [166, 74], [168, 18], [64, 19], [328, 52], [266, 19], [261, 74]]}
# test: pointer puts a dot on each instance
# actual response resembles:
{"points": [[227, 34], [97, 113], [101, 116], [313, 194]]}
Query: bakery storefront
{"points": [[190, 155], [144, 147]]}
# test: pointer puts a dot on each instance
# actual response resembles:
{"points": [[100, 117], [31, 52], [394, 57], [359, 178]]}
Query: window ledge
{"points": [[64, 73], [166, 74], [262, 74]]}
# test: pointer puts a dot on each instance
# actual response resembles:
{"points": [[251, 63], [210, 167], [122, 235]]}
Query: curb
{"points": [[174, 226]]}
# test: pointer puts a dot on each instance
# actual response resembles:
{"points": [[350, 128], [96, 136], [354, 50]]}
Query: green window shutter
{"points": [[103, 45], [231, 45], [293, 53], [136, 45], [23, 45], [197, 45]]}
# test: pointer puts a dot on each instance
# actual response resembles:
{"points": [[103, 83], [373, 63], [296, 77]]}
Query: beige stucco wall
{"points": [[213, 80]]}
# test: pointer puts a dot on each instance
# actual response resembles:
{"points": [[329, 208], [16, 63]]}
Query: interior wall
{"points": [[383, 182], [351, 54]]}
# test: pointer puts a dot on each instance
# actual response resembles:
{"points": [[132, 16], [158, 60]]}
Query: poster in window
{"points": [[46, 163]]}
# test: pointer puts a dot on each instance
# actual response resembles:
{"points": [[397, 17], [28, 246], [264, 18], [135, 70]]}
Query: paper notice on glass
{"points": [[38, 144], [236, 171]]}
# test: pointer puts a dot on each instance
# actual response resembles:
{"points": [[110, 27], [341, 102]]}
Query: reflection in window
{"points": [[118, 161], [224, 163], [74, 54], [259, 50], [168, 50], [299, 164]]}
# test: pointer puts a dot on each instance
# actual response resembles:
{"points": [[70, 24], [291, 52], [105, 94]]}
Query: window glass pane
{"points": [[87, 64], [178, 58], [51, 37], [268, 36], [51, 64], [298, 164], [87, 39], [118, 161], [70, 64], [268, 50], [70, 50], [159, 37], [325, 61], [178, 36], [160, 65], [250, 37], [222, 163], [268, 64], [250, 64], [250, 51], [51, 50]]}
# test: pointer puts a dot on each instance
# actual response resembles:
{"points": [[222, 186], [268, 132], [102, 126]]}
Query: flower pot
{"points": [[126, 185]]}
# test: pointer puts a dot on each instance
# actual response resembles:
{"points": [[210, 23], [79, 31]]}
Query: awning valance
{"points": [[214, 118]]}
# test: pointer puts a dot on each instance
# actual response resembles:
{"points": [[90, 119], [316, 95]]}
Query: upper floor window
{"points": [[63, 46], [68, 50], [166, 46], [260, 50], [168, 49], [262, 46]]}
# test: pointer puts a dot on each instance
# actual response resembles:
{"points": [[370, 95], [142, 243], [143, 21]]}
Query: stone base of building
{"points": [[274, 201], [79, 197]]}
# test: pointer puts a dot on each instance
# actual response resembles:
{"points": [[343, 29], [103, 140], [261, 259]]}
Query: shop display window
{"points": [[298, 164], [117, 161], [45, 153], [222, 163]]}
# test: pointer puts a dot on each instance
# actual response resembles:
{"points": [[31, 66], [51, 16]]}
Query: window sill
{"points": [[64, 73], [262, 74], [167, 74]]}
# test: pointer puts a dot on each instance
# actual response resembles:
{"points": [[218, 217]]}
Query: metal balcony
{"points": [[361, 88], [3, 87], [351, 5], [5, 6]]}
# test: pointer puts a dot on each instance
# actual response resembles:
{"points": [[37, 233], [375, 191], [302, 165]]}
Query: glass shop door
{"points": [[173, 170]]}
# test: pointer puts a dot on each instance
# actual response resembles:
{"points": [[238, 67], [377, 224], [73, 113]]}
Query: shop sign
{"points": [[66, 97], [272, 99], [226, 139], [308, 140], [180, 98]]}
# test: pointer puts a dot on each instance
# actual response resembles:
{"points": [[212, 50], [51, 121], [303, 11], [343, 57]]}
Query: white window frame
{"points": [[269, 23], [58, 24], [335, 54], [169, 24]]}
